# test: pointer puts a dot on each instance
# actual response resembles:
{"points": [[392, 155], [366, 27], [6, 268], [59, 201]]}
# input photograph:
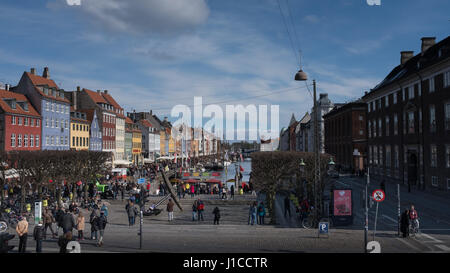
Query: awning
{"points": [[192, 181], [121, 162], [148, 160]]}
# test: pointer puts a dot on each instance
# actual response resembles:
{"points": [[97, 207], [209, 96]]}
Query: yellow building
{"points": [[162, 143], [137, 147], [79, 131]]}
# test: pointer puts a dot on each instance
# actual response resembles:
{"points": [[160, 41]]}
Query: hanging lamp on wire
{"points": [[301, 76]]}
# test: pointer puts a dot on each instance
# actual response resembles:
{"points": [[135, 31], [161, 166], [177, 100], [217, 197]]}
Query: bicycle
{"points": [[414, 227], [308, 221]]}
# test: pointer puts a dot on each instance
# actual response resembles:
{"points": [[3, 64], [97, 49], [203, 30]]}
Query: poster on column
{"points": [[342, 207]]}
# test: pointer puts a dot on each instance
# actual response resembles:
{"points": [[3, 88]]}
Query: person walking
{"points": [[92, 221], [216, 213], [104, 209], [80, 226], [101, 225], [68, 222], [48, 222], [131, 212], [232, 192], [170, 206], [404, 223], [38, 235], [63, 241], [414, 218], [192, 191], [252, 214], [200, 209], [287, 206], [59, 215], [194, 210], [261, 213], [22, 232]]}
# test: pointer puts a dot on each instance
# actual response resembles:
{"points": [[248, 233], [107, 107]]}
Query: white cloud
{"points": [[146, 16], [313, 19]]}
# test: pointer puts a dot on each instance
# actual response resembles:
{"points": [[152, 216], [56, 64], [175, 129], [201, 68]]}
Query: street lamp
{"points": [[302, 167], [331, 164], [302, 76]]}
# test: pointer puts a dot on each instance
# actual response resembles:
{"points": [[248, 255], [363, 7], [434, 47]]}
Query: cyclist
{"points": [[304, 208], [414, 218]]}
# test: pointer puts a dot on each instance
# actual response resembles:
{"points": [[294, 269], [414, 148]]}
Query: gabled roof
{"points": [[41, 81], [96, 97], [145, 123], [128, 120], [19, 110], [89, 114], [111, 101]]}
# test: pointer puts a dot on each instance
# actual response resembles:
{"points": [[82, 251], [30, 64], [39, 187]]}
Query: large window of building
{"points": [[431, 83], [395, 124], [447, 115], [31, 140], [380, 151], [396, 157], [411, 122], [447, 79], [432, 119], [25, 140], [388, 156], [433, 158], [394, 98], [13, 140], [19, 140], [410, 92], [380, 132], [387, 126], [447, 156], [434, 181]]}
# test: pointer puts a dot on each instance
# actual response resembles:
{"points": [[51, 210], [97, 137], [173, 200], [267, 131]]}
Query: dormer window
{"points": [[13, 104], [46, 91]]}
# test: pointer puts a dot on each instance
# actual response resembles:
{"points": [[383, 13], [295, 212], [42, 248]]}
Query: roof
{"points": [[145, 123], [41, 81], [89, 113], [341, 107], [416, 64], [111, 101], [19, 110], [128, 120], [95, 96]]}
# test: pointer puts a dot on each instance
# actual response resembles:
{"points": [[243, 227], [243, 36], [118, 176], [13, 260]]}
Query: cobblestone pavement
{"points": [[233, 235]]}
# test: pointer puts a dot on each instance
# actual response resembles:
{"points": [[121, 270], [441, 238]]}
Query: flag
{"points": [[240, 168], [242, 158], [175, 160]]}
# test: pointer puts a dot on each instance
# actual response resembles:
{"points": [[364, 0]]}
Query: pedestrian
{"points": [[261, 213], [252, 214], [192, 191], [68, 222], [72, 207], [92, 221], [131, 212], [232, 192], [104, 209], [170, 206], [63, 241], [216, 213], [287, 206], [38, 235], [414, 218], [59, 215], [101, 225], [200, 209], [80, 226], [22, 232], [48, 222], [194, 210], [404, 223]]}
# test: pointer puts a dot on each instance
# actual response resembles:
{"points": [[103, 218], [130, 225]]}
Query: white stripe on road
{"points": [[387, 217], [408, 244], [431, 238], [443, 247]]}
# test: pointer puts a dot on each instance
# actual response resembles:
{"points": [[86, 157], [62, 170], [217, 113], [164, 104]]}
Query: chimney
{"points": [[323, 96], [78, 89], [7, 87], [98, 91], [106, 91], [406, 56], [151, 113], [33, 71], [75, 99], [427, 42], [46, 74], [166, 119]]}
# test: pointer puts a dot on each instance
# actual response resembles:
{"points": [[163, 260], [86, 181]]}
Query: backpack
{"points": [[201, 206]]}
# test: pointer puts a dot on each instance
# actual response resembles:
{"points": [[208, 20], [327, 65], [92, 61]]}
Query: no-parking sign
{"points": [[378, 195]]}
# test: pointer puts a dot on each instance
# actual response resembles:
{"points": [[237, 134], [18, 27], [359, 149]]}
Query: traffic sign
{"points": [[323, 227], [378, 195], [141, 181]]}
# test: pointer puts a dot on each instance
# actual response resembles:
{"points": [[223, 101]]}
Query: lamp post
{"points": [[302, 171], [302, 76]]}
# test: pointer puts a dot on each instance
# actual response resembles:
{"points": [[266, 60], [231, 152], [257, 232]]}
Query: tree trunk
{"points": [[74, 190], [22, 199], [270, 200]]}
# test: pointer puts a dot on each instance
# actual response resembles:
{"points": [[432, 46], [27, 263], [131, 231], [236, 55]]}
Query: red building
{"points": [[20, 123]]}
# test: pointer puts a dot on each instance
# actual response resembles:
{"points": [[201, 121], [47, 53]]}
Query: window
{"points": [[47, 107], [37, 140], [447, 115], [20, 121], [61, 140], [57, 108], [448, 183], [73, 141], [52, 139], [431, 82], [434, 181], [53, 123], [433, 162], [388, 155], [66, 142], [25, 140], [396, 157], [375, 155], [394, 98], [67, 124], [410, 92], [403, 95], [447, 79], [25, 121], [32, 122], [447, 156], [411, 122], [38, 123], [380, 151], [19, 141], [73, 126], [432, 119], [380, 132], [56, 123], [13, 140], [387, 126], [47, 140], [419, 88], [13, 120], [53, 107], [56, 140], [386, 101]]}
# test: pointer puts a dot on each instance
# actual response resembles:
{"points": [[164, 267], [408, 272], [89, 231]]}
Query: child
{"points": [[216, 213], [38, 234]]}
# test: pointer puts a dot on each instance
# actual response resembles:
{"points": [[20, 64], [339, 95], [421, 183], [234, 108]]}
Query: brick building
{"points": [[345, 135], [409, 119]]}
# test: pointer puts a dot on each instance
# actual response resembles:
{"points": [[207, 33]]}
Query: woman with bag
{"points": [[80, 226]]}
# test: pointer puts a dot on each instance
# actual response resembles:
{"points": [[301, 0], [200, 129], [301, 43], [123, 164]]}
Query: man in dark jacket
{"points": [[287, 206], [101, 224], [38, 235], [68, 222], [59, 219], [216, 213], [404, 223], [132, 212], [170, 206]]}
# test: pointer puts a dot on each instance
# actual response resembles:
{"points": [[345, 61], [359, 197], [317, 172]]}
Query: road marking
{"points": [[431, 238], [408, 244], [385, 216], [442, 229], [443, 247]]}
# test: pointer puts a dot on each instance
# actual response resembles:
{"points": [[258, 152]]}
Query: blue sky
{"points": [[153, 54]]}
